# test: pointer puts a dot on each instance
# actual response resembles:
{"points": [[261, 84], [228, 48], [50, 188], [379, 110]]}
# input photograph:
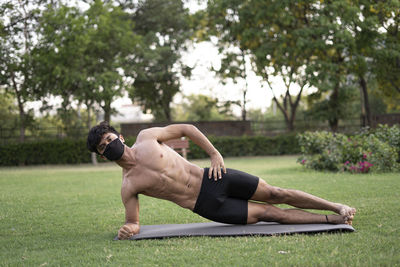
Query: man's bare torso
{"points": [[158, 171]]}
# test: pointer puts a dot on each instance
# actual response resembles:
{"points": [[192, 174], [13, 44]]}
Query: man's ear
{"points": [[121, 138]]}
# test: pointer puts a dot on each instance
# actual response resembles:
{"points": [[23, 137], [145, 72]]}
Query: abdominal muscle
{"points": [[164, 174]]}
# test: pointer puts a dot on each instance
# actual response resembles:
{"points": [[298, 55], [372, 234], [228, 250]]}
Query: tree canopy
{"points": [[325, 44], [90, 53], [164, 26]]}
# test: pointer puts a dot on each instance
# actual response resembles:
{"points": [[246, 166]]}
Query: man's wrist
{"points": [[214, 152]]}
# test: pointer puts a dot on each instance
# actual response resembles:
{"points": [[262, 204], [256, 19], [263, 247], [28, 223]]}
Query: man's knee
{"points": [[277, 194], [271, 194]]}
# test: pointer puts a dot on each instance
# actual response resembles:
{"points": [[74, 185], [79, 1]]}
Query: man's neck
{"points": [[127, 160]]}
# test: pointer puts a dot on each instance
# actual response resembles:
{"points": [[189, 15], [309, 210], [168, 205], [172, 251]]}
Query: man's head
{"points": [[105, 140]]}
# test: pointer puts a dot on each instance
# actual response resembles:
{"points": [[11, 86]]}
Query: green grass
{"points": [[68, 216]]}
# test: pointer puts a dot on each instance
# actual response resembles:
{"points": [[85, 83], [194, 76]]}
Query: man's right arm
{"points": [[131, 226], [178, 130]]}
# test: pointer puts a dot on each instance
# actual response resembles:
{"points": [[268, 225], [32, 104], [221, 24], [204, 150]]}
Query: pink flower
{"points": [[364, 166], [364, 156], [347, 163]]}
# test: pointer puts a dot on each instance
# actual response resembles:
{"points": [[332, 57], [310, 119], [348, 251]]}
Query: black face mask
{"points": [[114, 150]]}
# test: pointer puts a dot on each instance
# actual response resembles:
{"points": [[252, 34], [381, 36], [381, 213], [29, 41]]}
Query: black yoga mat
{"points": [[218, 229]]}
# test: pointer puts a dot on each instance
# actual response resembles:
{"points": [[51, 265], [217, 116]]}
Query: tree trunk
{"points": [[285, 115], [334, 105], [89, 124], [365, 102], [290, 124], [167, 111], [334, 124], [22, 126], [107, 112], [21, 112], [244, 112]]}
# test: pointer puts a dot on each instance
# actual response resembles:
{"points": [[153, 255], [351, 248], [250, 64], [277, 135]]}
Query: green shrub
{"points": [[375, 150], [65, 151], [72, 151]]}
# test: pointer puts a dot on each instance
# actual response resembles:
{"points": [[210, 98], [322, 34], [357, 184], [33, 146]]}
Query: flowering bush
{"points": [[370, 150]]}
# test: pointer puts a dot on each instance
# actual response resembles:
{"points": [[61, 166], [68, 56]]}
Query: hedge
{"points": [[249, 146], [63, 151], [74, 151]]}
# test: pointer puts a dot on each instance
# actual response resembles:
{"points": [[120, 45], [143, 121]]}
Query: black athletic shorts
{"points": [[226, 199]]}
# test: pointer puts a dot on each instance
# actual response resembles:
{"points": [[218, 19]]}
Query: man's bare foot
{"points": [[347, 212], [338, 219]]}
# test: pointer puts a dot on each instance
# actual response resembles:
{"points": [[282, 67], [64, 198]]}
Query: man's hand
{"points": [[128, 230], [217, 163]]}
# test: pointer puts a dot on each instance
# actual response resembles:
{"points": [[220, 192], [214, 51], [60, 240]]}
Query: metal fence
{"points": [[269, 128], [275, 127], [41, 133]]}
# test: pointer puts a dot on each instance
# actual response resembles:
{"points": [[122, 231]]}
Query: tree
{"points": [[202, 108], [16, 42], [61, 62], [111, 42], [8, 115], [326, 44], [156, 66], [269, 31], [84, 55], [386, 59]]}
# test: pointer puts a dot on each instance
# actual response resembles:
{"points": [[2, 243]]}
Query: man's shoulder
{"points": [[129, 184]]}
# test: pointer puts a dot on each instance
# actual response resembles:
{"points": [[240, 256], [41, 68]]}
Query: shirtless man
{"points": [[224, 195]]}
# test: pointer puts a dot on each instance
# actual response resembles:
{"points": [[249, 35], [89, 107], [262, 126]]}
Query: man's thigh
{"points": [[240, 184], [232, 211]]}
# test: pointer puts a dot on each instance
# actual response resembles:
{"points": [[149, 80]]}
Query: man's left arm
{"points": [[175, 131], [131, 203]]}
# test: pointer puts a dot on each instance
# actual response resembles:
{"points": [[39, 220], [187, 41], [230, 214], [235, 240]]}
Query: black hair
{"points": [[96, 133]]}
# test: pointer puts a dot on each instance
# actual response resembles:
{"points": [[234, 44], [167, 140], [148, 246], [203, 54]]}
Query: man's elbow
{"points": [[188, 129]]}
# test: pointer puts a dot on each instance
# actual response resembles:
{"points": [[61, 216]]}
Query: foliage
{"points": [[90, 56], [157, 67], [387, 56], [9, 118], [375, 150], [325, 44], [18, 25], [202, 108], [82, 55], [66, 151], [267, 31]]}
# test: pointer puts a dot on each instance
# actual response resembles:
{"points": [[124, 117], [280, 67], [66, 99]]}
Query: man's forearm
{"points": [[217, 162], [199, 139]]}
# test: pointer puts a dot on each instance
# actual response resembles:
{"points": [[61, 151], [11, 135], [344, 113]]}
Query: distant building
{"points": [[129, 113]]}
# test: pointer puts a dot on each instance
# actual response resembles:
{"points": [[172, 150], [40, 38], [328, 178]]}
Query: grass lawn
{"points": [[68, 216]]}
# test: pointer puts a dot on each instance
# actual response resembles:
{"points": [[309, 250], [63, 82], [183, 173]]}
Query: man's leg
{"points": [[269, 213], [275, 195]]}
